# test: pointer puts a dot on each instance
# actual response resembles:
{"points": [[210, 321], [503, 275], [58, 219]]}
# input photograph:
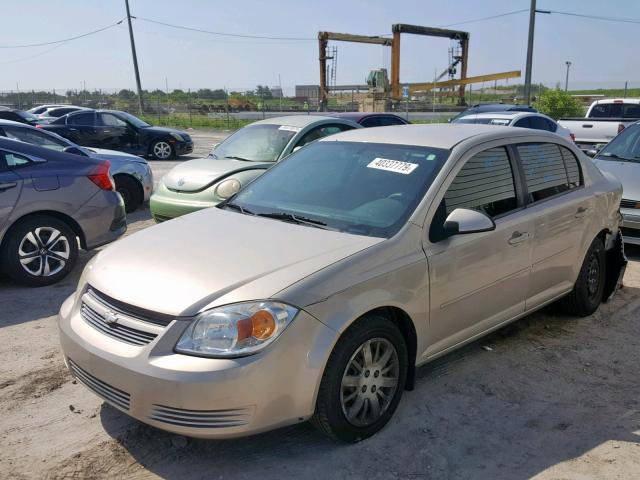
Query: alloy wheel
{"points": [[44, 251], [369, 382], [162, 150]]}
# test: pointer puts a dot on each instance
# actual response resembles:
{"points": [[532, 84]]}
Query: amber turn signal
{"points": [[260, 325]]}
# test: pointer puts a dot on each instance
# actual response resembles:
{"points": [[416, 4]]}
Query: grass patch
{"points": [[184, 120]]}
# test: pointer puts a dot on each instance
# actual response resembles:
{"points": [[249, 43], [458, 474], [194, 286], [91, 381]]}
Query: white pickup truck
{"points": [[604, 120]]}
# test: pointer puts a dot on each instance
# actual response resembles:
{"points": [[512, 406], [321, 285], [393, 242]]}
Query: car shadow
{"points": [[541, 391]]}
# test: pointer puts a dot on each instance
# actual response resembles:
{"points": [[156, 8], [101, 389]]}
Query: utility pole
{"points": [[566, 80], [135, 58], [527, 75]]}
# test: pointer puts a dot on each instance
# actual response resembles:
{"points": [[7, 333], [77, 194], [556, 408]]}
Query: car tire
{"points": [[50, 242], [130, 191], [162, 150], [346, 397], [587, 292]]}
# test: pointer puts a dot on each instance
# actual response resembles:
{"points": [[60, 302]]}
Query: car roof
{"points": [[605, 101], [17, 124], [441, 135], [300, 121], [358, 116], [504, 115]]}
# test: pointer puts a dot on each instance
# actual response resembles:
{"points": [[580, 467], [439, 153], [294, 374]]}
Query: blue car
{"points": [[132, 174]]}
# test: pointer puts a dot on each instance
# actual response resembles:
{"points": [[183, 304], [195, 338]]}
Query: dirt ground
{"points": [[549, 397]]}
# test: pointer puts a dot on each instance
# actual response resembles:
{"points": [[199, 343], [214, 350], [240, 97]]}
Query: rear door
{"points": [[10, 187], [81, 128], [553, 192]]}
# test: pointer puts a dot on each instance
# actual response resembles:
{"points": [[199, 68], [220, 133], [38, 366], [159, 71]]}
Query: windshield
{"points": [[625, 146], [484, 120], [361, 188], [255, 143], [135, 121]]}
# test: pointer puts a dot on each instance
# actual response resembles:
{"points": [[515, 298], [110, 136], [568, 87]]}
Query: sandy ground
{"points": [[552, 397]]}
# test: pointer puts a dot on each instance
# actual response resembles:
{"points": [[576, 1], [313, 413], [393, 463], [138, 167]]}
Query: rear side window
{"points": [[13, 160], [87, 119], [322, 131], [631, 111], [540, 123], [549, 170], [485, 183], [523, 123]]}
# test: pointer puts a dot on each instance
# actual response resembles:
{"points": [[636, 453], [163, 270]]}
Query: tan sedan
{"points": [[315, 292]]}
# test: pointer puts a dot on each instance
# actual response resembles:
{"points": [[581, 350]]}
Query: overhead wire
{"points": [[64, 40]]}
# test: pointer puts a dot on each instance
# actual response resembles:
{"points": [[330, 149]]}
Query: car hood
{"points": [[105, 154], [627, 172], [197, 174], [215, 257], [164, 131]]}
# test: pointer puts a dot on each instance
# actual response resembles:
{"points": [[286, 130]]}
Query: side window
{"points": [[523, 123], [599, 111], [546, 170], [13, 160], [371, 122], [322, 131], [111, 120], [485, 183], [85, 119], [631, 111], [539, 123]]}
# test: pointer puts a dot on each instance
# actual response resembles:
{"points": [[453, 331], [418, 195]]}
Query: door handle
{"points": [[581, 212], [73, 129], [7, 186], [518, 237]]}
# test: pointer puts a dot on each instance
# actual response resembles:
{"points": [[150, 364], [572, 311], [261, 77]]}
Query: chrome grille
{"points": [[625, 203], [201, 418], [120, 332], [111, 394]]}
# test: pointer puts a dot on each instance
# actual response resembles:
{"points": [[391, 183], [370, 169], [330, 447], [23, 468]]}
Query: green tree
{"points": [[558, 103]]}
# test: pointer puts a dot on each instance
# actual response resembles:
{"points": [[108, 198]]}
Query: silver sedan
{"points": [[316, 291]]}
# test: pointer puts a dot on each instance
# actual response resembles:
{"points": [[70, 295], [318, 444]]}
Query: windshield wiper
{"points": [[618, 157], [232, 157], [235, 206], [290, 217]]}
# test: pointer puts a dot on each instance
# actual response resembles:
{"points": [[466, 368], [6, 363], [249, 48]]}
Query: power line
{"points": [[64, 39], [596, 17], [225, 34], [486, 18], [31, 56]]}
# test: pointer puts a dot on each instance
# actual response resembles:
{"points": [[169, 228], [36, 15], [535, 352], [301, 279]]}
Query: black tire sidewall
{"points": [[133, 192], [366, 329], [10, 259], [590, 304]]}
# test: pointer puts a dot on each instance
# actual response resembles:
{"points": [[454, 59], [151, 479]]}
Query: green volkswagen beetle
{"points": [[236, 161]]}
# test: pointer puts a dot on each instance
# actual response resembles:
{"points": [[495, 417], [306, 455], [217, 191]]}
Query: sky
{"points": [[602, 53]]}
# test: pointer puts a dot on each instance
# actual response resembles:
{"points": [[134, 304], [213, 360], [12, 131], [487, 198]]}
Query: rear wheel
{"points": [[363, 380], [162, 150], [130, 191], [40, 250], [587, 293]]}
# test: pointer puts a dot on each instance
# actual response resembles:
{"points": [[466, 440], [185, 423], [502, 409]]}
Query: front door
{"points": [[111, 132], [479, 280]]}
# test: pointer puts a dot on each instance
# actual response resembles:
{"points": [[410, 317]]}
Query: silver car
{"points": [[534, 120], [131, 174], [316, 291], [621, 157]]}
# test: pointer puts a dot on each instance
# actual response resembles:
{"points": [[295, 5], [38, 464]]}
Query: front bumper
{"points": [[194, 396], [630, 226], [165, 204], [183, 148]]}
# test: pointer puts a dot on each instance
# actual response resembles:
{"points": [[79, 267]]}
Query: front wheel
{"points": [[363, 380], [588, 290], [162, 150]]}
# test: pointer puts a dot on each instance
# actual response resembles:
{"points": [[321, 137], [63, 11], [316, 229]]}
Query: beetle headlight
{"points": [[228, 188], [235, 330]]}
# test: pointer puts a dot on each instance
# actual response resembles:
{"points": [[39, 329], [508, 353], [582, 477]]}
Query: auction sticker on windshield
{"points": [[393, 165]]}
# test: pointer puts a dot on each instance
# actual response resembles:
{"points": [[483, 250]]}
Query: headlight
{"points": [[177, 136], [228, 188], [235, 330]]}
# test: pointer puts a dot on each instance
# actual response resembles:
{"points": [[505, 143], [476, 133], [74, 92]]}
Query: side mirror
{"points": [[592, 152], [462, 221], [215, 145], [295, 149], [75, 151]]}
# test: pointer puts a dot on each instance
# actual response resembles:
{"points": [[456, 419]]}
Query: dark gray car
{"points": [[52, 203]]}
